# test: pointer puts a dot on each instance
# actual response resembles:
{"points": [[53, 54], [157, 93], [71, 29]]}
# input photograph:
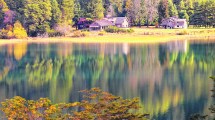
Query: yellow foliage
{"points": [[20, 50], [19, 31], [10, 34]]}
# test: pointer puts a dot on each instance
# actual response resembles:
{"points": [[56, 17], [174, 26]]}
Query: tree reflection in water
{"points": [[170, 79]]}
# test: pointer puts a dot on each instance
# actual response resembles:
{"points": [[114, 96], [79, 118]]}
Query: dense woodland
{"points": [[42, 16]]}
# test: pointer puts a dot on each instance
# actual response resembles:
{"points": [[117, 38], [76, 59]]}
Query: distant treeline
{"points": [[40, 16]]}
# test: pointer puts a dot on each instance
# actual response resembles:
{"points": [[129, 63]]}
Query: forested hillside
{"points": [[41, 16]]}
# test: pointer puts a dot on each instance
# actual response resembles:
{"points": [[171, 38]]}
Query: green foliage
{"points": [[204, 13], [3, 9], [95, 9], [183, 14], [67, 9], [101, 33], [37, 15], [96, 105], [114, 29], [56, 13], [79, 33], [173, 12], [184, 32], [16, 31]]}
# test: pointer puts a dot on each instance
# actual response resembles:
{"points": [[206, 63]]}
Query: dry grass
{"points": [[141, 35], [161, 31]]}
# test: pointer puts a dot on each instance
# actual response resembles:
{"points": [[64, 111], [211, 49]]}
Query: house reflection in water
{"points": [[178, 46], [105, 49]]}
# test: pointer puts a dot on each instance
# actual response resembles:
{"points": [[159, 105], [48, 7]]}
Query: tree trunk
{"points": [[139, 24], [147, 23]]}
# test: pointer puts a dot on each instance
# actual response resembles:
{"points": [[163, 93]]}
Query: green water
{"points": [[170, 79]]}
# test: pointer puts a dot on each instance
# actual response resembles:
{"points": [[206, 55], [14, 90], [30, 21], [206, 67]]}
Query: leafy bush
{"points": [[130, 30], [101, 33], [6, 34], [53, 33], [114, 29], [84, 33], [64, 29], [80, 34], [18, 31], [96, 105], [184, 32]]}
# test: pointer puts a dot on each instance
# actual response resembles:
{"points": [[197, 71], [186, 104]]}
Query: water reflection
{"points": [[170, 79]]}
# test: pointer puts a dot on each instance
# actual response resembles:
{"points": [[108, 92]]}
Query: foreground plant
{"points": [[96, 105]]}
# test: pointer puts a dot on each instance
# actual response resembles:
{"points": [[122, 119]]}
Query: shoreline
{"points": [[114, 38]]}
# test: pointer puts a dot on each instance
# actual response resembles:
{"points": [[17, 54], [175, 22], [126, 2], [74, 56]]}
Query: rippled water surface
{"points": [[170, 79]]}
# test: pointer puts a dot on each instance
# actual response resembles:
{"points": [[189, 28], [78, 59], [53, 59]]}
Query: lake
{"points": [[171, 79]]}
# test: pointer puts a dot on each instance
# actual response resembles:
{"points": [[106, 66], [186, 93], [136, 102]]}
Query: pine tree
{"points": [[181, 5], [3, 9], [163, 10], [99, 10], [37, 15], [95, 9], [129, 10], [67, 9], [183, 15], [172, 9], [56, 13]]}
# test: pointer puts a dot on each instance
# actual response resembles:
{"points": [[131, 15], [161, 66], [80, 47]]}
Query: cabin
{"points": [[120, 22], [174, 23], [84, 23], [100, 25]]}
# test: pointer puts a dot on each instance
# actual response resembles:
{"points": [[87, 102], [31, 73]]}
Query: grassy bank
{"points": [[141, 35]]}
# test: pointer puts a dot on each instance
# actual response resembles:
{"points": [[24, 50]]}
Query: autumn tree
{"points": [[3, 9], [18, 30], [95, 105], [151, 11], [129, 10]]}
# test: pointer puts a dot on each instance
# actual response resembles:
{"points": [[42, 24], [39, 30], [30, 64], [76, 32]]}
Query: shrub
{"points": [[96, 105], [64, 29], [114, 29], [83, 30], [184, 32], [18, 31], [53, 33], [10, 35], [3, 34], [130, 30], [78, 33], [84, 34], [101, 33]]}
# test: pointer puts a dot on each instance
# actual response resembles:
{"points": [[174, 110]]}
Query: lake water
{"points": [[171, 79]]}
